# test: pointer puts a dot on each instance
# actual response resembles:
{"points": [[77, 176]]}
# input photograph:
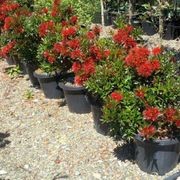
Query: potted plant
{"points": [[148, 103], [85, 54], [109, 73], [58, 22]]}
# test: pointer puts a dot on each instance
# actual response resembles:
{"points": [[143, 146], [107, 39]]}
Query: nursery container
{"points": [[76, 98], [30, 68], [10, 60], [148, 28], [96, 108], [159, 156], [49, 85]]}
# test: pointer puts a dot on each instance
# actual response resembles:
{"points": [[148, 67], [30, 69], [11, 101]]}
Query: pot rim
{"points": [[71, 88], [38, 74], [167, 141]]}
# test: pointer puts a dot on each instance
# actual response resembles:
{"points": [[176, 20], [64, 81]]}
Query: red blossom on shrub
{"points": [[95, 52], [177, 122], [117, 96], [79, 80], [55, 8], [89, 66], [170, 114], [76, 54], [73, 20], [155, 65], [140, 93], [123, 37], [148, 131], [91, 35], [151, 113], [76, 67], [97, 30], [50, 57], [4, 51], [70, 31], [74, 43], [137, 56], [107, 53], [44, 10], [145, 70], [8, 22], [64, 23], [45, 28], [156, 51]]}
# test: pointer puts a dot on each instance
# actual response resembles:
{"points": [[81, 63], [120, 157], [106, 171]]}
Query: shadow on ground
{"points": [[3, 140], [125, 152]]}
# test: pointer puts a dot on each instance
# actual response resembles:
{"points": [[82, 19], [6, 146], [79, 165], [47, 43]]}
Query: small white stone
{"points": [[77, 173], [2, 172], [26, 166], [97, 175]]}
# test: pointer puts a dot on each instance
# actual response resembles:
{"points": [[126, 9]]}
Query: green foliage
{"points": [[14, 72], [28, 94]]}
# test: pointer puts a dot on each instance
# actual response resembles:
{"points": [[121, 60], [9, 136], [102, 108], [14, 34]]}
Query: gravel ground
{"points": [[47, 142]]}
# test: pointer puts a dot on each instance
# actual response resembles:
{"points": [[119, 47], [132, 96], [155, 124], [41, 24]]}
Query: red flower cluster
{"points": [[89, 66], [156, 51], [170, 114], [8, 22], [6, 49], [55, 8], [79, 80], [117, 96], [140, 93], [73, 20], [148, 131], [177, 122], [95, 52], [123, 37], [70, 31], [151, 113], [138, 58], [45, 28], [50, 57]]}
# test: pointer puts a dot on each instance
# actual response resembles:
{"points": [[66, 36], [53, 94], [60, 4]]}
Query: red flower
{"points": [[8, 22], [46, 27], [79, 80], [170, 113], [107, 53], [140, 93], [76, 54], [76, 67], [156, 65], [91, 35], [156, 51], [95, 52], [89, 66], [71, 31], [177, 122], [51, 59], [6, 49], [64, 23], [145, 70], [117, 96], [137, 56], [122, 37], [148, 131], [96, 30], [44, 10], [151, 113], [55, 8], [74, 43], [73, 20]]}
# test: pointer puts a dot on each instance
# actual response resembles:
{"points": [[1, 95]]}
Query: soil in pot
{"points": [[159, 156], [49, 85], [76, 98], [30, 68], [96, 108]]}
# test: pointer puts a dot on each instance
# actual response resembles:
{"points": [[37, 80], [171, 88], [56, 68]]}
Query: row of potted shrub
{"points": [[132, 90]]}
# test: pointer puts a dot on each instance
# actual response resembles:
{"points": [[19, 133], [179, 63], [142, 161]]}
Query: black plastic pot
{"points": [[97, 18], [76, 99], [96, 108], [159, 156], [148, 28], [30, 68], [10, 61], [49, 85], [171, 30]]}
